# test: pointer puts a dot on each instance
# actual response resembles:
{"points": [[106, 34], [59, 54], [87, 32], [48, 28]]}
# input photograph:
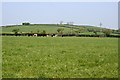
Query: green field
{"points": [[59, 57], [34, 28], [49, 28], [53, 28]]}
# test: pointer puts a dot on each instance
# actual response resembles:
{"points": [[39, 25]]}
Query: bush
{"points": [[107, 32], [25, 23], [44, 32], [60, 30], [15, 31]]}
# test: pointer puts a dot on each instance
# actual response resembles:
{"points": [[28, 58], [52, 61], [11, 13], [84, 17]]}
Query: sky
{"points": [[90, 13], [60, 0]]}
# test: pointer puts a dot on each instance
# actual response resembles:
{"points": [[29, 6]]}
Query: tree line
{"points": [[60, 31]]}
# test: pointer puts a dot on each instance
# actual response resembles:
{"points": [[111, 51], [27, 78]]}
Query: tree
{"points": [[95, 31], [81, 30], [100, 24], [70, 23], [107, 32], [31, 31], [15, 31], [61, 22], [77, 32], [26, 23], [43, 32], [60, 30], [90, 30], [38, 31]]}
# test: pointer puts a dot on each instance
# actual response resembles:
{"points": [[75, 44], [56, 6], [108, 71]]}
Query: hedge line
{"points": [[62, 35]]}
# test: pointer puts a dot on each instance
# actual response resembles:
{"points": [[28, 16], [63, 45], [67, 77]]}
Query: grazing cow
{"points": [[34, 34], [42, 35], [53, 35], [47, 35]]}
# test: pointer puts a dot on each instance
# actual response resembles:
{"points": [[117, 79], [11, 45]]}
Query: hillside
{"points": [[49, 28], [53, 28]]}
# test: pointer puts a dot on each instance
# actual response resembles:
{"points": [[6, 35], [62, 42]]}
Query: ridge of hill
{"points": [[52, 28]]}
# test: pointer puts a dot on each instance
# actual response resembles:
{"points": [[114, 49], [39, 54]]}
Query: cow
{"points": [[34, 34]]}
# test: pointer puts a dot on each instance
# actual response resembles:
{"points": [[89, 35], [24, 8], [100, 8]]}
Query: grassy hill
{"points": [[49, 28], [59, 57], [33, 28]]}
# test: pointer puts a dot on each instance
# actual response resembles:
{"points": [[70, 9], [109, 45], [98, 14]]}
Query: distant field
{"points": [[48, 28], [39, 57], [35, 28]]}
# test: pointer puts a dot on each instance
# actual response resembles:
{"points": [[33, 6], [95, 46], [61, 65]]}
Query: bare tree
{"points": [[100, 24], [100, 27], [70, 23], [61, 22]]}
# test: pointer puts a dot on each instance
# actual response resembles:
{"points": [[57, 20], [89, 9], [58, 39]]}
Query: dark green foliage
{"points": [[43, 32], [95, 32], [25, 23], [81, 30], [60, 30], [90, 30], [53, 28], [38, 31], [77, 32], [116, 31], [31, 31], [107, 32], [15, 31]]}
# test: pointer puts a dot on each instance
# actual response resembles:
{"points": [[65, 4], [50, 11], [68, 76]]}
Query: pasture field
{"points": [[59, 57], [34, 28], [48, 28]]}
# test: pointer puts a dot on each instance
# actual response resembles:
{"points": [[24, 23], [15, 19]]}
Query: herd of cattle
{"points": [[29, 34], [55, 35]]}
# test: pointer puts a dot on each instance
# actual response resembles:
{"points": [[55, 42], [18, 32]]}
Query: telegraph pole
{"points": [[100, 26]]}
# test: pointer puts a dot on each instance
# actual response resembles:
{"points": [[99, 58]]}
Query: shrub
{"points": [[60, 30], [107, 32], [43, 32], [15, 31], [25, 23]]}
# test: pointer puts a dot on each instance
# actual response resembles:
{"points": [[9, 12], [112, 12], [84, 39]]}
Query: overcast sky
{"points": [[91, 13]]}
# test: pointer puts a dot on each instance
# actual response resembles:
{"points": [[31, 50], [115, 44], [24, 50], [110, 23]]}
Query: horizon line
{"points": [[58, 23]]}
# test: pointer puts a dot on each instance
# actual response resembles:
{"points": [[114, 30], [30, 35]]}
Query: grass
{"points": [[49, 28], [34, 28], [70, 57]]}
